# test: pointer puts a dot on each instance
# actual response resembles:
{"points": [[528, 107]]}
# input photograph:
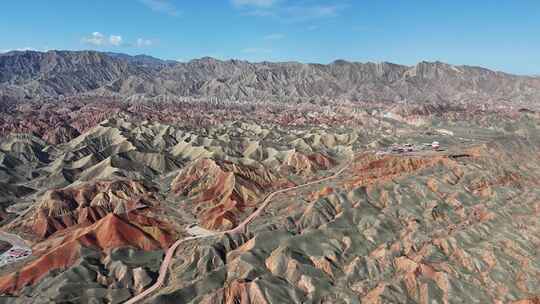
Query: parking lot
{"points": [[17, 252]]}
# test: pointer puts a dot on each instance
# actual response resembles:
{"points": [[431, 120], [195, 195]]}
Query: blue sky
{"points": [[498, 34]]}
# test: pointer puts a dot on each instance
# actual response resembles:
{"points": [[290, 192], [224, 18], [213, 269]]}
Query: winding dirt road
{"points": [[241, 228]]}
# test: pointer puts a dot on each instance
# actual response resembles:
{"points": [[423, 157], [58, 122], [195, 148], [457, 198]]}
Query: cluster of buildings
{"points": [[14, 254], [410, 148]]}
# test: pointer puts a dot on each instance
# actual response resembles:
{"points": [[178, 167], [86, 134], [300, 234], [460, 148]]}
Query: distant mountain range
{"points": [[31, 75]]}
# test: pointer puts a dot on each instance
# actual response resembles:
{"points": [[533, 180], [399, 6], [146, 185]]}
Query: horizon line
{"points": [[337, 60]]}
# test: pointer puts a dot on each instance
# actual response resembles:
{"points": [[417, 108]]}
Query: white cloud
{"points": [[254, 3], [275, 36], [96, 39], [27, 48], [161, 6], [19, 49], [141, 42], [115, 40], [100, 40], [256, 51]]}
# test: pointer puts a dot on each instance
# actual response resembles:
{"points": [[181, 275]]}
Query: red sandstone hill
{"points": [[64, 249], [308, 164], [222, 191], [87, 203]]}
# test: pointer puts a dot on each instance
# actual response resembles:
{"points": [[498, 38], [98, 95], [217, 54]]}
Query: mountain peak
{"points": [[32, 74]]}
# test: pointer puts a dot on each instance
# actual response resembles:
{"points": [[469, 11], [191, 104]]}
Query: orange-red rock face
{"points": [[223, 191], [101, 215], [534, 300], [370, 169], [85, 204], [308, 164], [64, 249]]}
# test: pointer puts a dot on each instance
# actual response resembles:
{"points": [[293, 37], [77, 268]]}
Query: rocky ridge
{"points": [[33, 75]]}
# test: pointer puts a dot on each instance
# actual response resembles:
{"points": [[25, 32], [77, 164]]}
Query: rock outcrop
{"points": [[222, 191], [65, 249]]}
